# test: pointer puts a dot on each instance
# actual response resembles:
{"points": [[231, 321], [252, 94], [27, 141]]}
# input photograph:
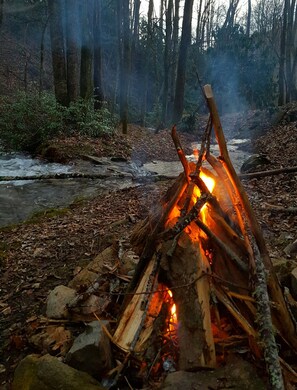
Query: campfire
{"points": [[204, 279]]}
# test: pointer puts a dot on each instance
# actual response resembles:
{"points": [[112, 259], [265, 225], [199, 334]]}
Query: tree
{"points": [[182, 61], [56, 13], [125, 59], [72, 48], [167, 59], [98, 86], [87, 50]]}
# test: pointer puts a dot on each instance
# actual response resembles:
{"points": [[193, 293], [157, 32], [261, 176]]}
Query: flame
{"points": [[209, 181], [173, 315]]}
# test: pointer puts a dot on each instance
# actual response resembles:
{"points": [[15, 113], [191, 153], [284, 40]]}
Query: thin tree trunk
{"points": [[41, 65], [87, 53], [282, 76], [167, 52], [125, 59], [182, 62], [55, 9], [98, 85], [72, 48], [248, 21]]}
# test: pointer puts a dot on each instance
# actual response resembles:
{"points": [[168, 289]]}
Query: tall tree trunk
{"points": [[98, 85], [174, 56], [72, 48], [125, 59], [148, 60], [1, 12], [41, 65], [248, 20], [282, 60], [87, 50], [167, 58], [56, 12], [182, 62]]}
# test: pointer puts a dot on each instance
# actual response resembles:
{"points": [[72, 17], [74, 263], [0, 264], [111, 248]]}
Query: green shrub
{"points": [[31, 120], [90, 122]]}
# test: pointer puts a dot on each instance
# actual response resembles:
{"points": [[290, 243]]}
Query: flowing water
{"points": [[21, 198]]}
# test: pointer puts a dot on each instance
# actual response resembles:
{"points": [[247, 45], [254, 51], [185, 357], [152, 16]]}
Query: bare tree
{"points": [[56, 12], [98, 85], [167, 59], [125, 59], [72, 48], [182, 61], [87, 50]]}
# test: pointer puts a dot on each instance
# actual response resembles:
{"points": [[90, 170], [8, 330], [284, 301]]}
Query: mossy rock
{"points": [[48, 373]]}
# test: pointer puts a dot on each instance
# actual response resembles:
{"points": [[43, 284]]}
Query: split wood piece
{"points": [[282, 318], [224, 179], [271, 360], [188, 267], [136, 325], [145, 235], [180, 152]]}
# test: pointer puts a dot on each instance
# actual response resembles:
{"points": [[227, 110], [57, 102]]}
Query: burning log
{"points": [[205, 242]]}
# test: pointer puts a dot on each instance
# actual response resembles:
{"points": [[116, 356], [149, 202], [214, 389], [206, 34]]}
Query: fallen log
{"points": [[271, 172]]}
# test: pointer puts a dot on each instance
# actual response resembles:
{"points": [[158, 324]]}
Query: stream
{"points": [[22, 198]]}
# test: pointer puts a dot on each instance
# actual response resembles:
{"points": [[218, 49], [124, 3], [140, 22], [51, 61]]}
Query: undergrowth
{"points": [[32, 119]]}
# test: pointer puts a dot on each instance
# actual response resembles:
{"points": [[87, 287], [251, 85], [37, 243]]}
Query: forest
{"points": [[145, 62], [148, 231]]}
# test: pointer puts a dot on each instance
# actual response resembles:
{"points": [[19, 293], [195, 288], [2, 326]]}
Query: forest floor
{"points": [[40, 254]]}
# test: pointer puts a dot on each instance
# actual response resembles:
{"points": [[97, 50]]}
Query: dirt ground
{"points": [[40, 254]]}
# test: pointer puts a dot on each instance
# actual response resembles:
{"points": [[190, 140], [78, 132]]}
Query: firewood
{"points": [[180, 152], [271, 172], [266, 327], [185, 267]]}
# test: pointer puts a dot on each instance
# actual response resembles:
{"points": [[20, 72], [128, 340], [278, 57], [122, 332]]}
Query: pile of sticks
{"points": [[209, 259]]}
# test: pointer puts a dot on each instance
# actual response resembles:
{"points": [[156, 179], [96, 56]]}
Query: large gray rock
{"points": [[91, 351], [57, 301], [48, 373], [237, 375]]}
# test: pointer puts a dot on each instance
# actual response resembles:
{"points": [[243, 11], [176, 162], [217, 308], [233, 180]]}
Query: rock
{"points": [[254, 162], [97, 266], [294, 282], [48, 373], [236, 374], [91, 351], [84, 279], [283, 268], [57, 300]]}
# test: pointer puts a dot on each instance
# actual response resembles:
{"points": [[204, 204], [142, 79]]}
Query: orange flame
{"points": [[173, 315]]}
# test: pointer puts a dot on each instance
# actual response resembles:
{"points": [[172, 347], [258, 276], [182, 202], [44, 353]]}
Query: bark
{"points": [[187, 267], [56, 11], [98, 84], [41, 65], [1, 12], [87, 50], [182, 62], [167, 57], [125, 61], [72, 48], [248, 20]]}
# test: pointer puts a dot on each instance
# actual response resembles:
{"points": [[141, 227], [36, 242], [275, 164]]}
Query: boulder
{"points": [[57, 301], [236, 374], [254, 163], [49, 373], [91, 351]]}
